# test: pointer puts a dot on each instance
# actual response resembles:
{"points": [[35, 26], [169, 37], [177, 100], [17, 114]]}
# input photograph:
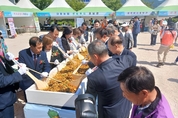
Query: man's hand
{"points": [[9, 56], [44, 74], [23, 69], [84, 61], [66, 55], [56, 62]]}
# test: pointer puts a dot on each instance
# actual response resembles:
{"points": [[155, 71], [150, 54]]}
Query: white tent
{"points": [[134, 8], [168, 8], [27, 5], [95, 8], [57, 8]]}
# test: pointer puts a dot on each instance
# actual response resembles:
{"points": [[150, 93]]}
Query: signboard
{"points": [[12, 27], [133, 13], [18, 14], [67, 14], [1, 14], [36, 20], [168, 13], [79, 22]]}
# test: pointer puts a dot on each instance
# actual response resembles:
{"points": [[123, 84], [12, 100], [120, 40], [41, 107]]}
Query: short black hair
{"points": [[84, 23], [34, 40], [137, 79], [96, 21], [103, 32], [53, 27], [97, 30], [67, 31]]}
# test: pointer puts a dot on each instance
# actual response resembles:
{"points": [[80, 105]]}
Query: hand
{"points": [[66, 55], [88, 72], [23, 69], [84, 61], [44, 75], [55, 44], [9, 56], [56, 62]]}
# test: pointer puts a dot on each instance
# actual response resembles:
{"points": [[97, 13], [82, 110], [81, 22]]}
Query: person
{"points": [[75, 45], [136, 30], [169, 21], [3, 46], [155, 30], [103, 81], [96, 26], [53, 33], [104, 23], [176, 61], [138, 86], [167, 37], [84, 28], [128, 37], [8, 82], [115, 45], [54, 55], [65, 40], [143, 25], [35, 59]]}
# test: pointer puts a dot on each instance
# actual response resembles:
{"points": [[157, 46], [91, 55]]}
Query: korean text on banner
{"points": [[12, 27]]}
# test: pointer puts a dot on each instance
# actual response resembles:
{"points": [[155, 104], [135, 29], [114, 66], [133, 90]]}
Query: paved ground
{"points": [[166, 77]]}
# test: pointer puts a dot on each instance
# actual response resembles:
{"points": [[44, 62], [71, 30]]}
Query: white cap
{"points": [[0, 31], [125, 24], [165, 22]]}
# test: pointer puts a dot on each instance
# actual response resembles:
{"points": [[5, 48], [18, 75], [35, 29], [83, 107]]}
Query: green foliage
{"points": [[113, 4], [76, 4], [41, 4], [149, 4]]}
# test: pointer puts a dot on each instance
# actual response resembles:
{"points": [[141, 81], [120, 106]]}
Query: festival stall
{"points": [[168, 8], [134, 8], [57, 10], [14, 18], [33, 22], [95, 9]]}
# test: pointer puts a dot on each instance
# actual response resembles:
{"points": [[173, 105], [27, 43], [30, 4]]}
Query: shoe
{"points": [[159, 64]]}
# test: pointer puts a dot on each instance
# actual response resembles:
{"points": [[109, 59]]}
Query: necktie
{"points": [[34, 59]]}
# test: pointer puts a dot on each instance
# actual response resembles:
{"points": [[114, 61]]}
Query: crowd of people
{"points": [[113, 76]]}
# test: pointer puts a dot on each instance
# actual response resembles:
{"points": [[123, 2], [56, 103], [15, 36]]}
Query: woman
{"points": [[155, 29], [74, 39], [3, 46], [65, 40], [53, 53]]}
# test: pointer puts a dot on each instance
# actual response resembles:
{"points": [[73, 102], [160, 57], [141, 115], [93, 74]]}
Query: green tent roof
{"points": [[11, 8], [96, 9], [135, 9], [167, 8], [61, 9]]}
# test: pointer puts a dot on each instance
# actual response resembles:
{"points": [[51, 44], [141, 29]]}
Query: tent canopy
{"points": [[6, 5], [27, 5], [95, 8], [168, 5], [58, 6], [134, 7]]}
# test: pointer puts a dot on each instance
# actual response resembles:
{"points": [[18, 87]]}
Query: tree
{"points": [[41, 4], [76, 4], [148, 4], [113, 4]]}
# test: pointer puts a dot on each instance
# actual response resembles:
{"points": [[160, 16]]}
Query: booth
{"points": [[168, 8], [57, 10]]}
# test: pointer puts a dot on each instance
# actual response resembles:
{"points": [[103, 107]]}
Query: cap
{"points": [[0, 31], [125, 24]]}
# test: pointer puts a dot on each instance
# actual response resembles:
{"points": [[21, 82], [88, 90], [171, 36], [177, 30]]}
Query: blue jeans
{"points": [[153, 39], [8, 112], [176, 59], [135, 40]]}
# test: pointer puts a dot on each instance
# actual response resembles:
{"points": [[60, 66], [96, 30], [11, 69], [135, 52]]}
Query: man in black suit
{"points": [[103, 81], [115, 45], [8, 81], [35, 59]]}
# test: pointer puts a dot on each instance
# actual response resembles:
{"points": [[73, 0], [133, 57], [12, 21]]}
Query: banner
{"points": [[36, 20], [1, 14], [12, 27], [17, 14], [79, 22]]}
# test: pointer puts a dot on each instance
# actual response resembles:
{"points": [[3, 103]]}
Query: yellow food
{"points": [[66, 76]]}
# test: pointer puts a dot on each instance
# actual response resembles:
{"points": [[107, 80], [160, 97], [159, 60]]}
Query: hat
{"points": [[125, 24], [0, 31], [165, 22]]}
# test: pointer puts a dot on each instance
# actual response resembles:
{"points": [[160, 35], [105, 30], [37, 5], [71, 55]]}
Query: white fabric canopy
{"points": [[26, 4], [6, 3], [95, 3], [133, 3], [169, 3], [59, 3]]}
